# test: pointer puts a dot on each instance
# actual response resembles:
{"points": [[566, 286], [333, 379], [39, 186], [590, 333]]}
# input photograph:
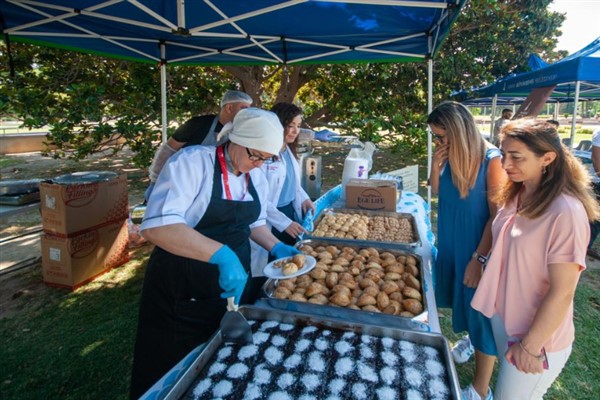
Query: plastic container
{"points": [[357, 164]]}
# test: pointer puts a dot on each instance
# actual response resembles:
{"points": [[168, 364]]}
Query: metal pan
{"points": [[19, 186], [419, 322], [20, 199], [411, 219], [184, 386]]}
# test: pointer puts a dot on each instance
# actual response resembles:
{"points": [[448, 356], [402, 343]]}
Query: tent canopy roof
{"points": [[582, 66], [225, 32]]}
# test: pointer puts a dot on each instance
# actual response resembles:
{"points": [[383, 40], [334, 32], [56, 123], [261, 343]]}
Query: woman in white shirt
{"points": [[208, 201], [288, 201]]}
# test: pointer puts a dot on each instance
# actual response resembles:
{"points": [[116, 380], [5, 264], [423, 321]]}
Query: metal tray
{"points": [[85, 177], [373, 243], [20, 199], [418, 322], [437, 341], [19, 186]]}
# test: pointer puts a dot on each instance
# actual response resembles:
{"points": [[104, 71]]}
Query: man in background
{"points": [[595, 226], [504, 118], [202, 129]]}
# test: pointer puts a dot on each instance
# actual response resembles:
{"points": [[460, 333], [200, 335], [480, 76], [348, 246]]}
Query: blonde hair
{"points": [[466, 146], [566, 174]]}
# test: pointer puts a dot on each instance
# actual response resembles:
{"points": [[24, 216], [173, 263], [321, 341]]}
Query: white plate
{"points": [[271, 272]]}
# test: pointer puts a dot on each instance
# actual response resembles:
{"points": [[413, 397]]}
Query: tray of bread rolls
{"points": [[371, 227], [378, 285], [298, 356]]}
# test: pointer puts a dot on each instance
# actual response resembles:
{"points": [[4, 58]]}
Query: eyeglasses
{"points": [[436, 136], [254, 158]]}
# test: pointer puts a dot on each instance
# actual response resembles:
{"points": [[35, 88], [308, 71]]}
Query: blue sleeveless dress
{"points": [[460, 227]]}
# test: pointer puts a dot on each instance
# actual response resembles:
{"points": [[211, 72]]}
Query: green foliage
{"points": [[95, 104], [492, 38]]}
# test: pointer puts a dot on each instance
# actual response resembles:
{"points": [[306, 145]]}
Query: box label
{"points": [[54, 254], [77, 196], [370, 199], [50, 202], [83, 245]]}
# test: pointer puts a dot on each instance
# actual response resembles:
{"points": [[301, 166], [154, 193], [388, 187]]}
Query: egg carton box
{"points": [[74, 261], [71, 209]]}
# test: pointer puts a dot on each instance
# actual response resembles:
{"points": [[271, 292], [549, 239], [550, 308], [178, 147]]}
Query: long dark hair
{"points": [[286, 113], [565, 174]]}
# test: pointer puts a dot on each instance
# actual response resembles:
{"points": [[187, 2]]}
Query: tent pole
{"points": [[575, 106], [429, 109], [163, 92], [493, 117]]}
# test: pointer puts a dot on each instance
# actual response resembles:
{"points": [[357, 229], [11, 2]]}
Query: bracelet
{"points": [[539, 357]]}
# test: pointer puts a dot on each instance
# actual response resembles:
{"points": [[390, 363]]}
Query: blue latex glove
{"points": [[232, 276], [324, 135], [148, 191], [281, 250]]}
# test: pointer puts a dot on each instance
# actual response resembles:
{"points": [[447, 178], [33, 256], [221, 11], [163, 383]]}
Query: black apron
{"points": [[288, 211], [181, 306]]}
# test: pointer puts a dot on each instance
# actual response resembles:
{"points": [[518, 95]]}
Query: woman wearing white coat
{"points": [[288, 201]]}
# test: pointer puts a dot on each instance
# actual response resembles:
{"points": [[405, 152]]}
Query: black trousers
{"points": [[594, 226]]}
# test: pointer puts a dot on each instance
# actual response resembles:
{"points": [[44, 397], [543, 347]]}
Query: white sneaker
{"points": [[462, 350], [469, 393]]}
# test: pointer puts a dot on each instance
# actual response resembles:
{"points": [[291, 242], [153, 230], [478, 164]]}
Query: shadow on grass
{"points": [[74, 345]]}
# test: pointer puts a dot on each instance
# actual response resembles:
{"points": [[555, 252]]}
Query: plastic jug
{"points": [[358, 163]]}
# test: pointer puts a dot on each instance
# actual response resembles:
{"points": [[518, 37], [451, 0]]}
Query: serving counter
{"points": [[422, 328]]}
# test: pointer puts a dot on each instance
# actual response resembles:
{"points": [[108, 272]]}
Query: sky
{"points": [[582, 23]]}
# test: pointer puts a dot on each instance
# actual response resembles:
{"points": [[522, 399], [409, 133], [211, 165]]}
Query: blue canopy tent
{"points": [[225, 32], [576, 77]]}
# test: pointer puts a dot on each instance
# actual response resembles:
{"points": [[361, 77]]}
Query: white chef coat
{"points": [[184, 188], [275, 176]]}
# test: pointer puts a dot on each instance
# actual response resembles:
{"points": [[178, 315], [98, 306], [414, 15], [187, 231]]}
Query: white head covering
{"points": [[235, 96], [256, 129]]}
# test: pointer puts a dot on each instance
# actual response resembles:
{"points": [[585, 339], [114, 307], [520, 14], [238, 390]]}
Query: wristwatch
{"points": [[479, 257]]}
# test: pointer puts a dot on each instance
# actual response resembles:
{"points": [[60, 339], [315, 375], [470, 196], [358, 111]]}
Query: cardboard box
{"points": [[72, 262], [69, 210], [371, 194]]}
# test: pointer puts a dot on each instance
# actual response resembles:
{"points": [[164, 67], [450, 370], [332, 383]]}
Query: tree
{"points": [[97, 104], [93, 103], [493, 38]]}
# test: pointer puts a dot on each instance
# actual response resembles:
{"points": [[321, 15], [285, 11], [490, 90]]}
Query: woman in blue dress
{"points": [[465, 172]]}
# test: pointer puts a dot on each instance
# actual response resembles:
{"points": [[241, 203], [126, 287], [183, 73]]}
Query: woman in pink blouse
{"points": [[540, 237]]}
